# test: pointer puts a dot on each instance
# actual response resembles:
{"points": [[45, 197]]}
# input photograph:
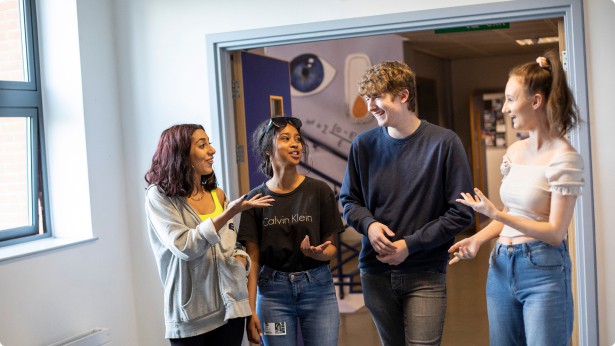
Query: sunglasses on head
{"points": [[281, 122]]}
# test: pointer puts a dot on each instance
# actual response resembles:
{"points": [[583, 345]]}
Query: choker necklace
{"points": [[198, 198]]}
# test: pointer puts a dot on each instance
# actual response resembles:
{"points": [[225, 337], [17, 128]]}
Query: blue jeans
{"points": [[308, 298], [407, 308], [529, 299]]}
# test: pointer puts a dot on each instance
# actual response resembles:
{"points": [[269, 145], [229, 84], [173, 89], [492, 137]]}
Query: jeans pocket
{"points": [[263, 279], [492, 256], [323, 278], [546, 257]]}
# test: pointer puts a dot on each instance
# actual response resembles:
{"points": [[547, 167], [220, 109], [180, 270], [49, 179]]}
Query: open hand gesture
{"points": [[479, 203], [243, 203], [313, 251], [464, 249]]}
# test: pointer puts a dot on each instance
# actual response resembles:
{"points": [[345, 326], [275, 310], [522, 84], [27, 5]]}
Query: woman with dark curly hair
{"points": [[290, 244], [190, 221]]}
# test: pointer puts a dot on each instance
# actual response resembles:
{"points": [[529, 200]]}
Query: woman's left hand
{"points": [[479, 203], [257, 201], [313, 251]]}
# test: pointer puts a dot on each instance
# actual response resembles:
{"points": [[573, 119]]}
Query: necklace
{"points": [[201, 192]]}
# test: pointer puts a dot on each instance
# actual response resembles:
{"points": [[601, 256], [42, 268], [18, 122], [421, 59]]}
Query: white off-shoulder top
{"points": [[526, 189]]}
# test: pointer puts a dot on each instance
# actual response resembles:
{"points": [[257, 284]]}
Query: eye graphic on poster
{"points": [[309, 74], [356, 64]]}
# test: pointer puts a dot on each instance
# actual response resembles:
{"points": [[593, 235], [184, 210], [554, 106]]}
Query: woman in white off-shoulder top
{"points": [[529, 299]]}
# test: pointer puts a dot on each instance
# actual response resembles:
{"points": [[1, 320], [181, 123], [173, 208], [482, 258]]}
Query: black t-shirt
{"points": [[311, 209]]}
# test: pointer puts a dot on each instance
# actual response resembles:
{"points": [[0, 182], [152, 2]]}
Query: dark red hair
{"points": [[171, 170]]}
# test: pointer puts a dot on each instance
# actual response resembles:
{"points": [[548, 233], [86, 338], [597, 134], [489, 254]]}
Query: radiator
{"points": [[93, 337]]}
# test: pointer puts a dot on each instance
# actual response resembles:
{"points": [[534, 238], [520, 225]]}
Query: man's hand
{"points": [[377, 234], [400, 254]]}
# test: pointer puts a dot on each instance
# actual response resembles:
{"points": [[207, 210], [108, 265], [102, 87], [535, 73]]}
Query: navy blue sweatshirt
{"points": [[410, 185]]}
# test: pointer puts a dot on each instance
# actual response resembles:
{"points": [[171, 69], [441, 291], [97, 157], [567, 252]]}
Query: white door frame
{"points": [[220, 46]]}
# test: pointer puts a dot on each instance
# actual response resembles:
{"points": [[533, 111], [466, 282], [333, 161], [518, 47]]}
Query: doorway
{"points": [[221, 45]]}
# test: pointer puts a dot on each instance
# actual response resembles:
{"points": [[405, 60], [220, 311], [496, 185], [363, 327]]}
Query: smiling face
{"points": [[386, 108], [520, 106], [201, 153], [287, 148]]}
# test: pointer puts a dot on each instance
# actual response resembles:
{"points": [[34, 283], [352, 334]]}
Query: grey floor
{"points": [[466, 314]]}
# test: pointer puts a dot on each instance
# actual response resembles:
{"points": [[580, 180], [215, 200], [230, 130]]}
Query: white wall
{"points": [[51, 296], [161, 79]]}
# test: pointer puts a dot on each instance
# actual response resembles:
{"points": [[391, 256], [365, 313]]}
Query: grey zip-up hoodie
{"points": [[204, 284]]}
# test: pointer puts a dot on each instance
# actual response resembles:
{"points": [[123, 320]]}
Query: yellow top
{"points": [[217, 211]]}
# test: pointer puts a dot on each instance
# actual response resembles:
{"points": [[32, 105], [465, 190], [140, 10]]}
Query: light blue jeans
{"points": [[308, 298], [529, 299], [407, 308]]}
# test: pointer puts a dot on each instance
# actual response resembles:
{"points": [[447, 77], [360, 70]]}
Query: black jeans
{"points": [[230, 334]]}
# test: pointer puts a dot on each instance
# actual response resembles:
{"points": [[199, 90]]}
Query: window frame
{"points": [[24, 99]]}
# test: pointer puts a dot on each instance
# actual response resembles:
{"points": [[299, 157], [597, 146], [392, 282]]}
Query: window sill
{"points": [[12, 252]]}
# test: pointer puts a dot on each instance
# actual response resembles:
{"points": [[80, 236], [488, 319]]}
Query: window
{"points": [[23, 186]]}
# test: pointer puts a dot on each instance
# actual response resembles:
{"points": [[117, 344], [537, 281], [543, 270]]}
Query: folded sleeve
{"points": [[565, 174]]}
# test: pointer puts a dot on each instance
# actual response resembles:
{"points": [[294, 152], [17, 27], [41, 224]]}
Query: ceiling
{"points": [[485, 43]]}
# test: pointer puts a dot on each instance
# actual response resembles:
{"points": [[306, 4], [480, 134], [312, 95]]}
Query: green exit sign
{"points": [[473, 28]]}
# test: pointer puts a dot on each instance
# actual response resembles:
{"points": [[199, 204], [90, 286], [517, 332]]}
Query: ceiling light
{"points": [[537, 40]]}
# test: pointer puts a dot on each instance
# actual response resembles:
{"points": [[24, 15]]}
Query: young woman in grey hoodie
{"points": [[190, 222]]}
